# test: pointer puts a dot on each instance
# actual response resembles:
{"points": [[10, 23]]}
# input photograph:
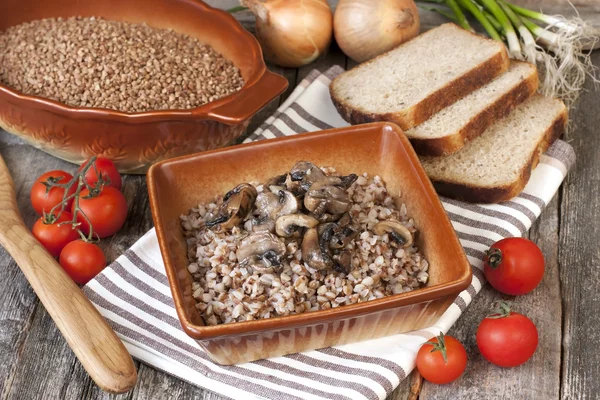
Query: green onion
{"points": [[533, 14], [525, 34], [473, 8], [511, 36], [492, 20], [440, 11], [460, 16]]}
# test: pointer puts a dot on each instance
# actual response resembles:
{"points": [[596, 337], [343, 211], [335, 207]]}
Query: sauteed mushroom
{"points": [[341, 237], [237, 204], [273, 205], [343, 262], [313, 253], [326, 199], [396, 231], [261, 250], [286, 225]]}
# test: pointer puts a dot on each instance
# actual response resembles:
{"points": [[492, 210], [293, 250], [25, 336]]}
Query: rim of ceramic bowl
{"points": [[425, 294], [205, 111]]}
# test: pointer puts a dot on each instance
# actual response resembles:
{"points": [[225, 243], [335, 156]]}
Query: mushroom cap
{"points": [[260, 249], [322, 198], [287, 224], [312, 252], [237, 204], [396, 231]]}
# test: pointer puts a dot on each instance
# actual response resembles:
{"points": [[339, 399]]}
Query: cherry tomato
{"points": [[514, 266], [105, 168], [507, 339], [52, 236], [44, 198], [82, 261], [442, 359], [107, 211]]}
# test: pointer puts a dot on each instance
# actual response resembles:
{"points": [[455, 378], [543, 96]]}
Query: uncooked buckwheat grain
{"points": [[92, 62]]}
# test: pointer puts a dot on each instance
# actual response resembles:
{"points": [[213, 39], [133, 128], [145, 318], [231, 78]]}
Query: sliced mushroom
{"points": [[396, 231], [345, 220], [289, 202], [348, 180], [272, 205], [278, 180], [237, 204], [286, 225], [343, 261], [261, 250], [303, 168], [312, 252], [263, 223], [326, 199], [342, 237]]}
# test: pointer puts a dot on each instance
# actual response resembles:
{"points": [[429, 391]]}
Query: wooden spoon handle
{"points": [[94, 343]]}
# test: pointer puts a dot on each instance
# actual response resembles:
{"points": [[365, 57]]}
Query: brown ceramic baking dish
{"points": [[135, 141], [177, 185]]}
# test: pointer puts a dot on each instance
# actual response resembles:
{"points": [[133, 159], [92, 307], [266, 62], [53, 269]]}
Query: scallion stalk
{"points": [[492, 20], [548, 19], [460, 16], [440, 11], [514, 46], [526, 36], [472, 7]]}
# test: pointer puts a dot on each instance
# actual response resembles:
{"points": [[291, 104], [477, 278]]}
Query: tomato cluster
{"points": [[76, 211], [513, 266]]}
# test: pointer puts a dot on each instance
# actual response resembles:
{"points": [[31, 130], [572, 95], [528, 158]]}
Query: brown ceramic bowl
{"points": [[135, 141], [177, 185]]}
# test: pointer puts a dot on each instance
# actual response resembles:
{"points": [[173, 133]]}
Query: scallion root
{"points": [[561, 49]]}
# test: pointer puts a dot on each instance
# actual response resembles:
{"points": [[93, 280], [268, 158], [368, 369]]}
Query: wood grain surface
{"points": [[97, 347], [36, 363]]}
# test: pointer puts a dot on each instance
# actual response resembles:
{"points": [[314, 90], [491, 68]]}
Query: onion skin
{"points": [[292, 33], [365, 29]]}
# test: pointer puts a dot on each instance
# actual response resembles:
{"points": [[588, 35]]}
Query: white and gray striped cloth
{"points": [[133, 293]]}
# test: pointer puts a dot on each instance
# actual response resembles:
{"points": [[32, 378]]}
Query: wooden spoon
{"points": [[94, 343]]}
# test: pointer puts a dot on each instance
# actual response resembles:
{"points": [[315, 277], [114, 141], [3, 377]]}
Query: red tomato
{"points": [[514, 266], [43, 198], [432, 365], [82, 261], [52, 236], [508, 339], [107, 211], [106, 169]]}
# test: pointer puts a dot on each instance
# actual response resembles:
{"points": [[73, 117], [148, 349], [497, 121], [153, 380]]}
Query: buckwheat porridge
{"points": [[303, 241]]}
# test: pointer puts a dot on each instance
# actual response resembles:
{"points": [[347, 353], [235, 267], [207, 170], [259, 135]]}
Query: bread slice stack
{"points": [[470, 113]]}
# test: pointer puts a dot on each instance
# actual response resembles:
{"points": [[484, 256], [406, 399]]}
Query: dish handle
{"points": [[250, 100]]}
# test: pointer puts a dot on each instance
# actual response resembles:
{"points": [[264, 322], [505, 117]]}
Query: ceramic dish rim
{"points": [[352, 310]]}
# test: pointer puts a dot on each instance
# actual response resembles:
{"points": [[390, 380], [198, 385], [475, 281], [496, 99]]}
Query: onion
{"points": [[366, 28], [292, 33]]}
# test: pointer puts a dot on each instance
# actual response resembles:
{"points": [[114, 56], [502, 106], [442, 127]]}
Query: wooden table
{"points": [[36, 363]]}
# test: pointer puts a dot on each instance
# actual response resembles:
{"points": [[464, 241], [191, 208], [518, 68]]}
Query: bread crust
{"points": [[436, 101], [447, 145], [479, 194]]}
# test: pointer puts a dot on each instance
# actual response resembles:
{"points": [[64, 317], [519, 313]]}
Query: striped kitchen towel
{"points": [[133, 293]]}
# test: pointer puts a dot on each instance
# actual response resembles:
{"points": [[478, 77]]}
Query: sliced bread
{"points": [[448, 130], [410, 83], [496, 166]]}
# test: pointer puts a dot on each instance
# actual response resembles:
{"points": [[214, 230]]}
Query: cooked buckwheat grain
{"points": [[227, 292]]}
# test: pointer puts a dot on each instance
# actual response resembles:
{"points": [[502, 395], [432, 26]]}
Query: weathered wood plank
{"points": [[18, 302], [538, 378], [409, 388], [579, 254], [23, 358], [157, 385]]}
